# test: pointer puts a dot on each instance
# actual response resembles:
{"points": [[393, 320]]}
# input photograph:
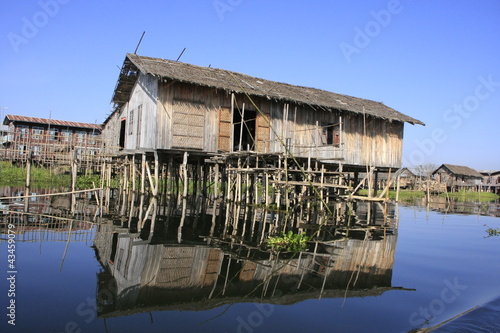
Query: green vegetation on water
{"points": [[15, 176], [288, 242], [465, 196], [404, 195], [492, 232], [462, 196]]}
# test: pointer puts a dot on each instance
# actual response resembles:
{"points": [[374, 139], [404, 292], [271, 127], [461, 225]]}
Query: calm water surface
{"points": [[102, 278]]}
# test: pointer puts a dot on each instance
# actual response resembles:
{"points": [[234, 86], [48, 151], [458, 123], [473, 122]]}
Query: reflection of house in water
{"points": [[140, 276], [30, 227], [452, 206]]}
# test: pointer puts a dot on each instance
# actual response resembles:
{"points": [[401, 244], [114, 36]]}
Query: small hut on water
{"points": [[458, 177], [168, 106]]}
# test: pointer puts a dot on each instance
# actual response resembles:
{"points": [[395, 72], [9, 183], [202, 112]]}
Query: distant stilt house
{"points": [[49, 140], [408, 179], [491, 180], [457, 177], [169, 106]]}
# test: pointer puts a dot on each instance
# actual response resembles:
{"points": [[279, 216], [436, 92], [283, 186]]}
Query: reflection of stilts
{"points": [[67, 245]]}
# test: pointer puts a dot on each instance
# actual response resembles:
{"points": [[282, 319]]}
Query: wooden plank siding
{"points": [[372, 141]]}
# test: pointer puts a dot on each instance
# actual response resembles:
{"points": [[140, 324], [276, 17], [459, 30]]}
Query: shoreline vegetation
{"points": [[14, 176], [462, 196], [41, 177]]}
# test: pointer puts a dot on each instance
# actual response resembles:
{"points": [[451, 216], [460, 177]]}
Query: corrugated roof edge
{"points": [[37, 120]]}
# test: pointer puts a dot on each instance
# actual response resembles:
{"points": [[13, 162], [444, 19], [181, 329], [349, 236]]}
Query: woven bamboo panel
{"points": [[224, 129], [214, 254], [176, 267], [224, 143], [176, 263], [262, 146], [187, 142], [178, 252], [214, 258], [189, 119], [248, 271], [210, 278], [174, 277], [188, 124]]}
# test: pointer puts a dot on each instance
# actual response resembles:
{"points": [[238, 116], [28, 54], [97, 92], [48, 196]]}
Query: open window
{"points": [[123, 126], [331, 134], [37, 132], [53, 134], [244, 129]]}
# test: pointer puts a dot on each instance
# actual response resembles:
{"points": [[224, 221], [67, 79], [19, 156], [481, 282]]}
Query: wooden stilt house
{"points": [[163, 105], [458, 177]]}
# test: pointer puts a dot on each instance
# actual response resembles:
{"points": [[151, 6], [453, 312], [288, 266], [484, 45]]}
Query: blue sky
{"points": [[437, 61]]}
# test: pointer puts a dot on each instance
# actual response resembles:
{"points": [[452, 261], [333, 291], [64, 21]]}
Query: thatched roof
{"points": [[245, 84], [459, 170]]}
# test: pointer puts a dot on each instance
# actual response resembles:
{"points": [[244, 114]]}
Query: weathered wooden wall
{"points": [[372, 141], [111, 133], [362, 141], [141, 114]]}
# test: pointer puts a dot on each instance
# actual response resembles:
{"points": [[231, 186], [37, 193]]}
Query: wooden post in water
{"points": [[397, 187], [101, 191], [133, 173], [143, 172], [184, 197], [74, 169], [154, 203], [28, 181], [216, 199], [156, 174], [28, 169]]}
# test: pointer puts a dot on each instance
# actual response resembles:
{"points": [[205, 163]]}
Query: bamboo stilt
{"points": [[184, 197]]}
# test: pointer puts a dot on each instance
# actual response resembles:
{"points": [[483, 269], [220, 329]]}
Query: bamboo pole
{"points": [[143, 173], [53, 194], [387, 186], [216, 200], [28, 169], [67, 245], [240, 148], [153, 218], [28, 181], [184, 197], [156, 174], [398, 187]]}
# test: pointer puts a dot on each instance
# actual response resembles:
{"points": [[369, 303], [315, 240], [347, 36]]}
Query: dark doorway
{"points": [[244, 131], [122, 133]]}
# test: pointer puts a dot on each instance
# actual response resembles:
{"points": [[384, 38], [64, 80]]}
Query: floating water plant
{"points": [[492, 232], [289, 242]]}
